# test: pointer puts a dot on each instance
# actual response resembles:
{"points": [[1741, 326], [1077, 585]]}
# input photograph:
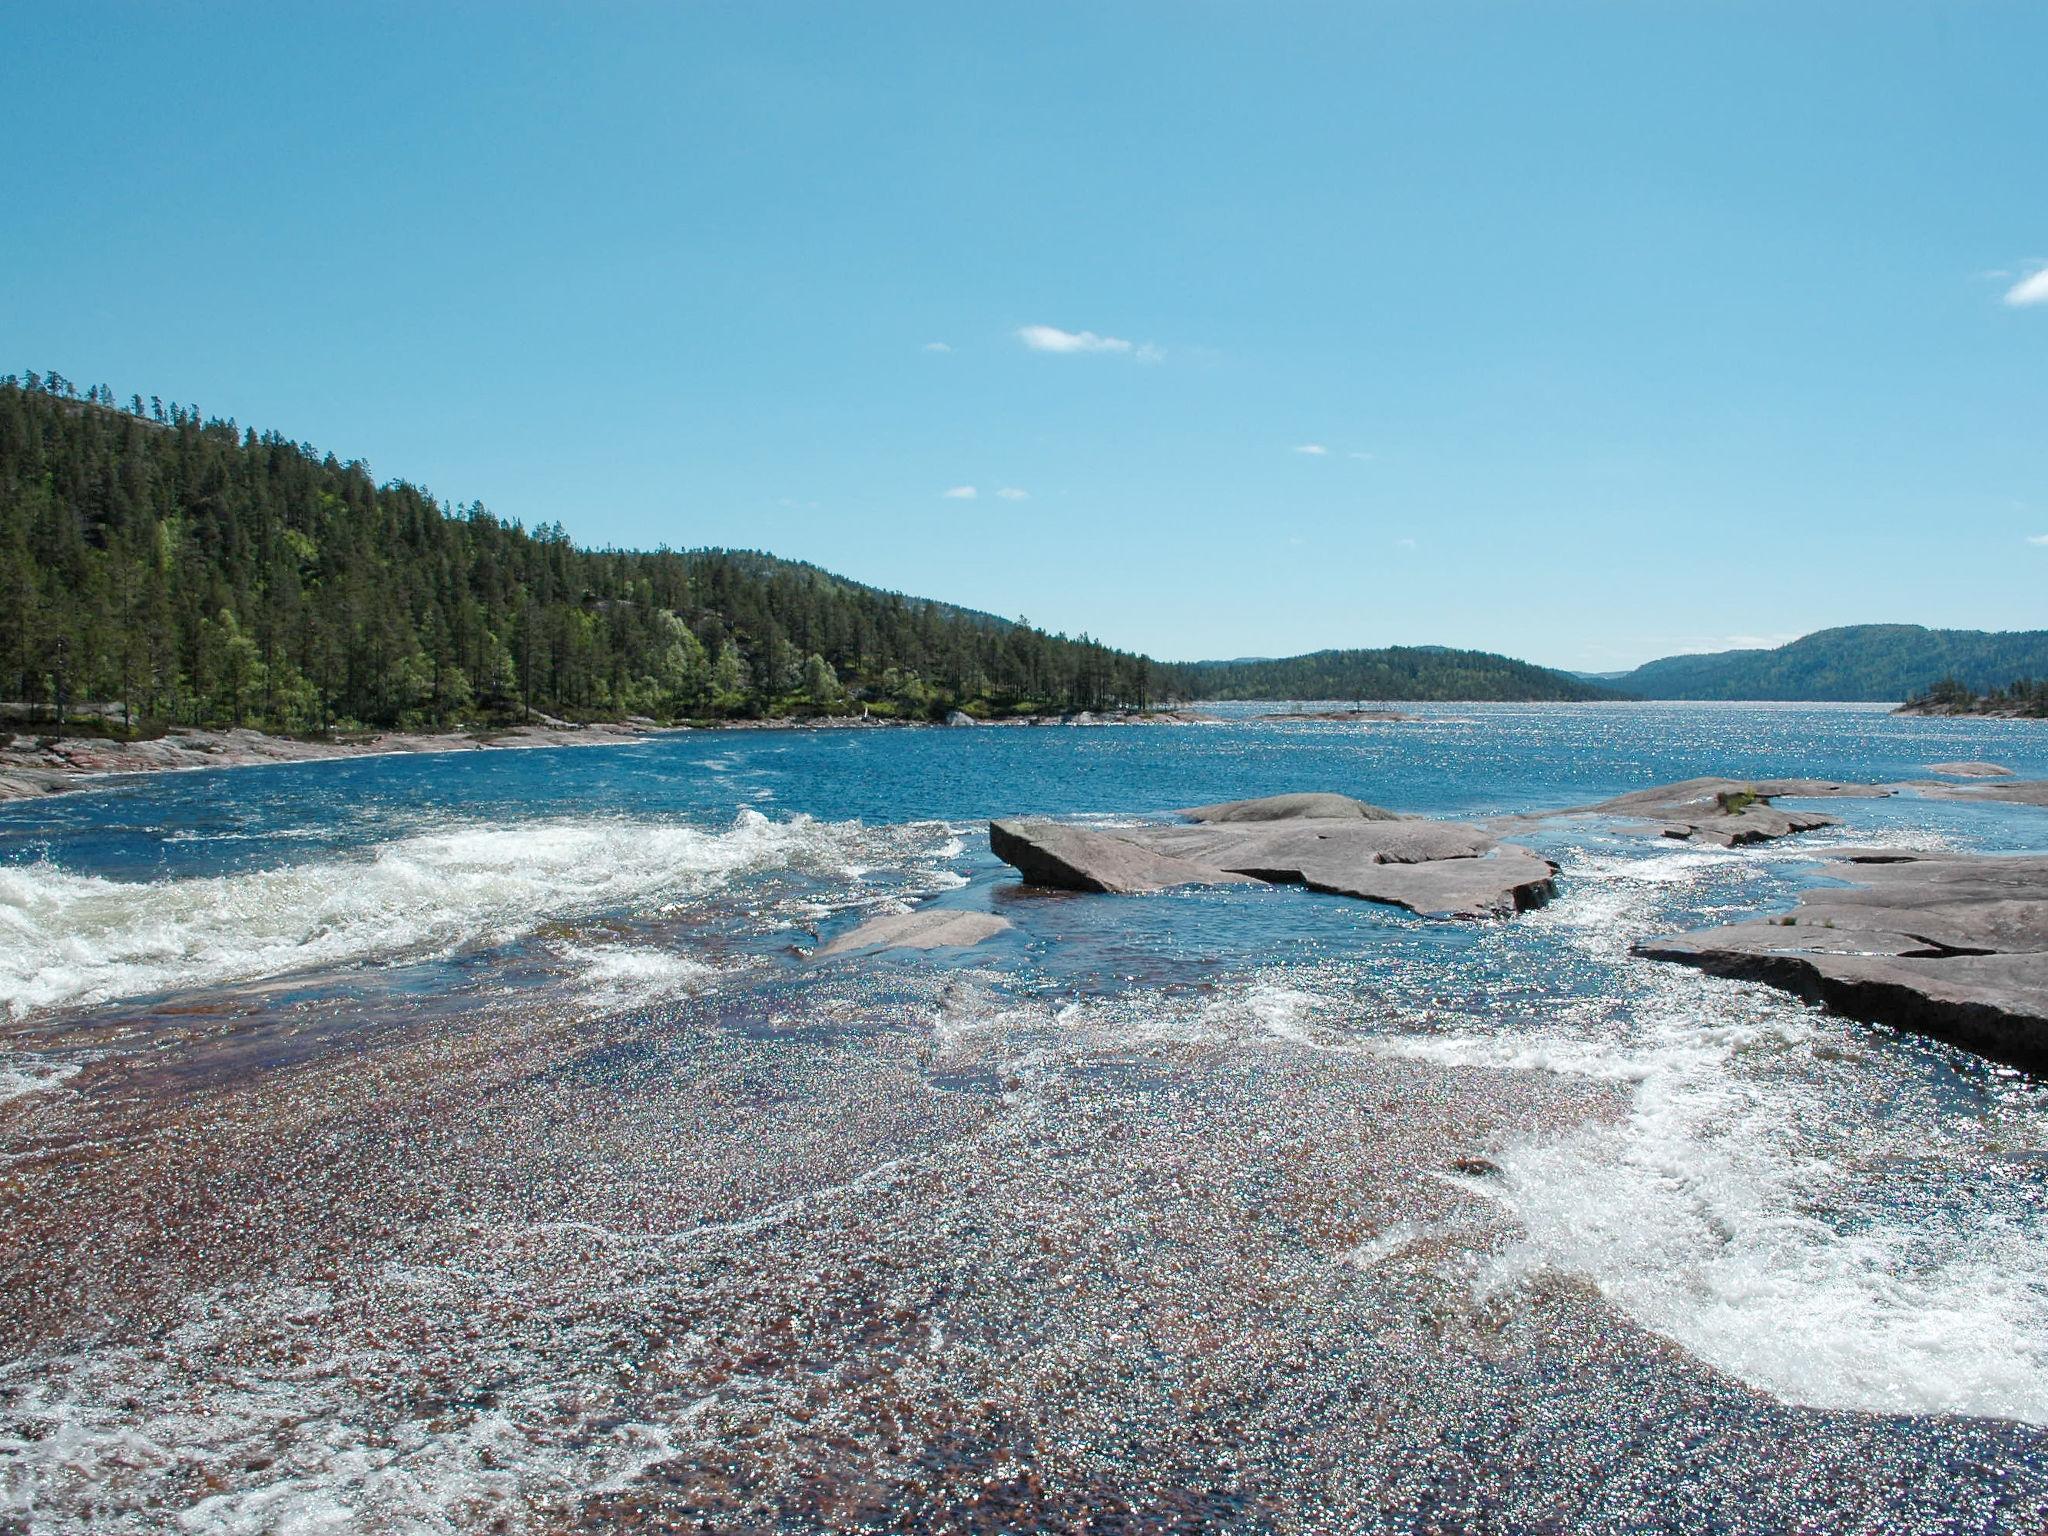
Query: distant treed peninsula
{"points": [[1399, 672]]}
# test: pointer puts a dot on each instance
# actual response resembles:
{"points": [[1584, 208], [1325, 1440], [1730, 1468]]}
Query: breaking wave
{"points": [[68, 939]]}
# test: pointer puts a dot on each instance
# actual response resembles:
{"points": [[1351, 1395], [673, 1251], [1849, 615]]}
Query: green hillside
{"points": [[193, 572], [1396, 673], [1877, 663]]}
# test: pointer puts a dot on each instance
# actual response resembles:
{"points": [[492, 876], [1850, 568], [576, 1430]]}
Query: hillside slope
{"points": [[1875, 663], [1404, 672], [198, 574]]}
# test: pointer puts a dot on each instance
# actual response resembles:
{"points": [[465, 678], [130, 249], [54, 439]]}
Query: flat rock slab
{"points": [[934, 928], [1434, 868], [1309, 807], [1071, 858], [2017, 792], [1971, 770], [1949, 945], [1730, 813]]}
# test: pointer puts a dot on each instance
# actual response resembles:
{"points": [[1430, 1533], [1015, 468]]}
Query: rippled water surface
{"points": [[471, 1142]]}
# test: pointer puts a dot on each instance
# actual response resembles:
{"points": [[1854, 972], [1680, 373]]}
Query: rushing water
{"points": [[469, 1142]]}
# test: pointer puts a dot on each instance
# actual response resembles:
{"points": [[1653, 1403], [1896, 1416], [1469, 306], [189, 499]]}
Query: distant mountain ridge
{"points": [[1859, 663], [1403, 672]]}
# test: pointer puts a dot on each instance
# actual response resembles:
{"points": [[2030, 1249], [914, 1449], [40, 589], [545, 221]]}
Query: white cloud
{"points": [[961, 493], [936, 346], [2037, 538], [1405, 543], [2032, 289], [1355, 454], [1014, 493], [1050, 338], [1312, 448]]}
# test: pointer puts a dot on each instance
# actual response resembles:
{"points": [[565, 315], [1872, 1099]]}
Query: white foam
{"points": [[20, 1076], [68, 939], [1742, 1207], [634, 975]]}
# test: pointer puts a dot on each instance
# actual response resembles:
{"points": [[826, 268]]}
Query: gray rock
{"points": [[959, 717], [2018, 792], [1070, 858], [1949, 945], [1435, 868], [1291, 808], [933, 928], [1971, 770], [1730, 812]]}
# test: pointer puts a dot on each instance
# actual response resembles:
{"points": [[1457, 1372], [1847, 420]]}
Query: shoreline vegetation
{"points": [[160, 567], [2023, 699]]}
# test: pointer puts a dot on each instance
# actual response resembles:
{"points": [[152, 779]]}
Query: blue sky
{"points": [[1615, 329]]}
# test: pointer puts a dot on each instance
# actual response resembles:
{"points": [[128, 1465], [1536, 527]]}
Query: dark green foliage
{"points": [[1399, 672], [1870, 663], [2023, 697], [186, 571]]}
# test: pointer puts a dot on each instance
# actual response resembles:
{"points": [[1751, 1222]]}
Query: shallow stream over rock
{"points": [[483, 1142]]}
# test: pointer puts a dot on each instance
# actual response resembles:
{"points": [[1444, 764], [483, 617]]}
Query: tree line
{"points": [[1396, 673], [2024, 697], [158, 565]]}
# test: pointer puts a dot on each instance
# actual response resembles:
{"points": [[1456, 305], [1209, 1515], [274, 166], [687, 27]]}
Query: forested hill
{"points": [[1398, 672], [1876, 663], [198, 573]]}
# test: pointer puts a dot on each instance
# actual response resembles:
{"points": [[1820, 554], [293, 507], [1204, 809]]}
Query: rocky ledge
{"points": [[1730, 813], [1328, 843], [1949, 945]]}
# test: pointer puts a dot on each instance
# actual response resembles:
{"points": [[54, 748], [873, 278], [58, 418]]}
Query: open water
{"points": [[469, 1142]]}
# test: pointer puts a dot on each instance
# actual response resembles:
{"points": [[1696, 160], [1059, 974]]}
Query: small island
{"points": [[2023, 699]]}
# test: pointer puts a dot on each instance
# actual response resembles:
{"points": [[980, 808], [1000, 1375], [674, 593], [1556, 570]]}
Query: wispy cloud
{"points": [[2032, 289], [1355, 454], [1050, 338], [1316, 449], [2037, 538], [1404, 543], [1014, 493], [936, 346], [960, 493]]}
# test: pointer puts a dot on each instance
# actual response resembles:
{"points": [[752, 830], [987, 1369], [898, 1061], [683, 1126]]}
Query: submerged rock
{"points": [[1326, 842], [1949, 945], [933, 928]]}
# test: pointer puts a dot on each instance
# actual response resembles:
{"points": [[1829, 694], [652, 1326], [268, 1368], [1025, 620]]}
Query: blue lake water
{"points": [[474, 1143]]}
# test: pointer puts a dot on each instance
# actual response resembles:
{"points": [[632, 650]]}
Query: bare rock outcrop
{"points": [[1730, 813], [1949, 945], [1327, 843]]}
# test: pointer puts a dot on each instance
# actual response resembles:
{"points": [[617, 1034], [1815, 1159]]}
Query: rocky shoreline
{"points": [[34, 764], [1949, 945]]}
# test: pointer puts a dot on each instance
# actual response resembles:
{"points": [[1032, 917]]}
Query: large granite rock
{"points": [[1971, 770], [1949, 945], [1070, 858], [1325, 842], [1730, 813]]}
